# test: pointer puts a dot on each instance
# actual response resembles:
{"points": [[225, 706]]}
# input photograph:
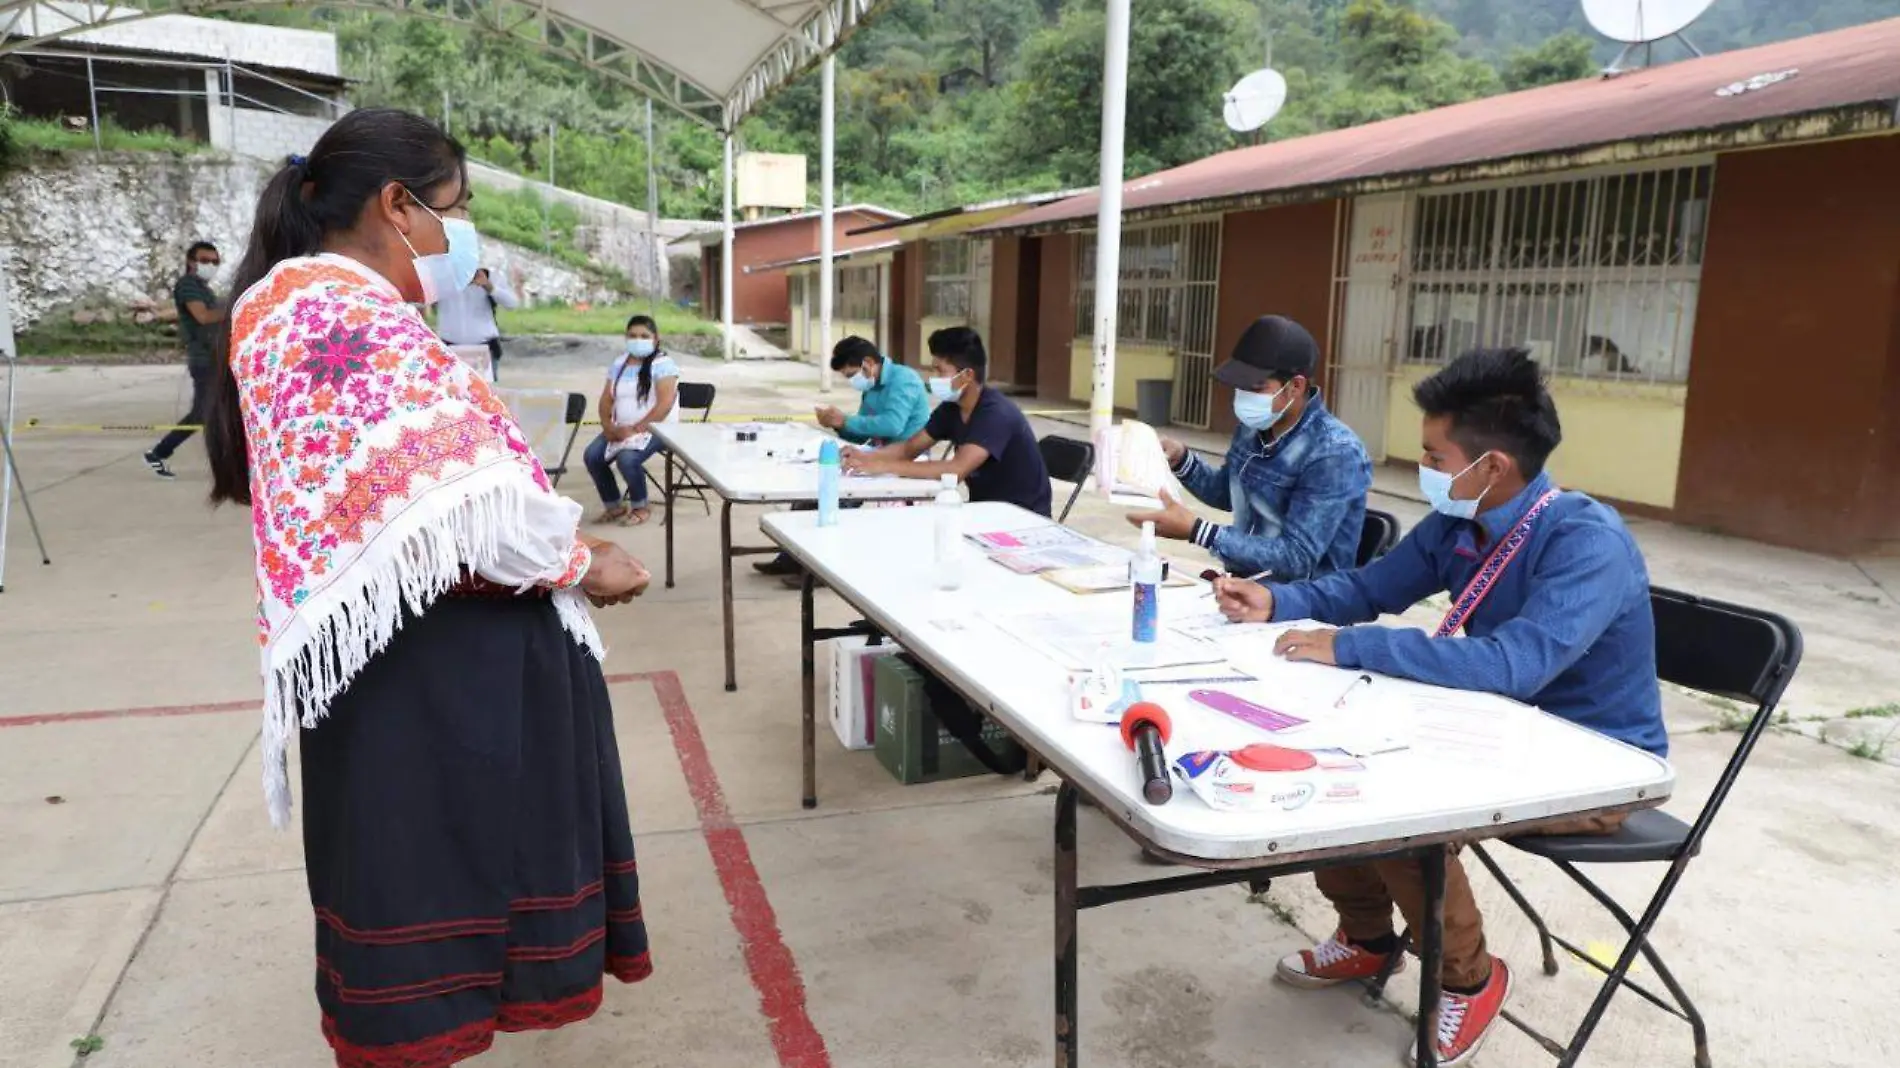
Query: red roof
{"points": [[1832, 72]]}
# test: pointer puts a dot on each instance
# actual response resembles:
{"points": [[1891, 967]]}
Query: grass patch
{"points": [[88, 1045], [601, 319], [21, 135], [1868, 749], [56, 335], [1888, 711], [1280, 912]]}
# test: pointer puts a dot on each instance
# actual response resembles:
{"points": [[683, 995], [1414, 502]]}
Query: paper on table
{"points": [[1049, 535], [1078, 640], [1212, 626], [1470, 728], [1036, 561]]}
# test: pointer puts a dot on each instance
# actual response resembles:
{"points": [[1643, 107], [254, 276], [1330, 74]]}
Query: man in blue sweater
{"points": [[1552, 608], [892, 405]]}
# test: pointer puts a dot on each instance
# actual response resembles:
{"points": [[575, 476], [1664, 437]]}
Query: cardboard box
{"points": [[853, 685], [911, 744]]}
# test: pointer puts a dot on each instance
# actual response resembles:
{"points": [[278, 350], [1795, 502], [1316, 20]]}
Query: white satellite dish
{"points": [[1255, 100], [1641, 23]]}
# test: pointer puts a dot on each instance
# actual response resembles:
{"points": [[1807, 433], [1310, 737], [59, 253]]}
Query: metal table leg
{"points": [[1431, 955], [725, 590], [807, 654], [1067, 1024], [672, 492]]}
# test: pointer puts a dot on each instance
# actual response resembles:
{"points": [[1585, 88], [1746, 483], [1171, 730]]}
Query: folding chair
{"points": [[1377, 536], [1721, 649], [1068, 460], [692, 397], [576, 414]]}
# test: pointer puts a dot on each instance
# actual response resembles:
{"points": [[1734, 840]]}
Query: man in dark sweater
{"points": [[995, 448], [199, 313]]}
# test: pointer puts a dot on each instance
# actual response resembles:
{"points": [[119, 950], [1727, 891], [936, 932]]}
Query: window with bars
{"points": [[1597, 276], [857, 293], [947, 278], [1168, 276]]}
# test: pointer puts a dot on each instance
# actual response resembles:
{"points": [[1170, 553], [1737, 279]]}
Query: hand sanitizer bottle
{"points": [[1146, 576], [828, 475], [949, 509]]}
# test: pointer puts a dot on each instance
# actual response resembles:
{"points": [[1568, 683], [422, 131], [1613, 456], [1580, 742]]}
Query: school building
{"points": [[763, 298], [1705, 254]]}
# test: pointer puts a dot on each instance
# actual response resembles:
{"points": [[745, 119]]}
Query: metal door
{"points": [[1368, 289]]}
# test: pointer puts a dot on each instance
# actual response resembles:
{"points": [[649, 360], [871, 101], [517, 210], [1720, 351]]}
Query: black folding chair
{"points": [[1721, 649], [1068, 460], [576, 414], [692, 397], [1377, 536]]}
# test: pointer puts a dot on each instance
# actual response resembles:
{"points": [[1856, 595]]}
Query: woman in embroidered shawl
{"points": [[423, 615]]}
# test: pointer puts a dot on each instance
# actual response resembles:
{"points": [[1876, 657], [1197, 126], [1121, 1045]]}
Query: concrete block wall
{"points": [[266, 135]]}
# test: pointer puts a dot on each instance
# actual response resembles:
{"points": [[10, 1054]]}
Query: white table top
{"points": [[743, 472], [1551, 769]]}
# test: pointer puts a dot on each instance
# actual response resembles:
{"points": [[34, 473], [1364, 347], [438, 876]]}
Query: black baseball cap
{"points": [[1273, 347]]}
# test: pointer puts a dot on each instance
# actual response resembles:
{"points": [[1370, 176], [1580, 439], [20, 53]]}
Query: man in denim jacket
{"points": [[1295, 477]]}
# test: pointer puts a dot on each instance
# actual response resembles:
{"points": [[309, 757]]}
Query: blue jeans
{"points": [[631, 463]]}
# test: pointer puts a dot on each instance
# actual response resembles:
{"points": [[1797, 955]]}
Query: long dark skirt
{"points": [[470, 861]]}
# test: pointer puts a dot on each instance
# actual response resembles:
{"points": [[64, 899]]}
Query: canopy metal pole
{"points": [[725, 256], [1108, 244], [653, 220], [827, 272]]}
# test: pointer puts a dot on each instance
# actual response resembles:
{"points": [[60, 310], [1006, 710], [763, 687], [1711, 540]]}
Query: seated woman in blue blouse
{"points": [[641, 392], [1552, 608]]}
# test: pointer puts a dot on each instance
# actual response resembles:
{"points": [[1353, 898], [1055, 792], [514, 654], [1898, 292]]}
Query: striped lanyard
{"points": [[1494, 565]]}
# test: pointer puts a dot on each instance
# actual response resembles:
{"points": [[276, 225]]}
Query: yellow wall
{"points": [[1132, 363], [1621, 439]]}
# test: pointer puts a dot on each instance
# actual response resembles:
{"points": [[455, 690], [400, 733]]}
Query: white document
{"points": [[1470, 728], [1142, 470], [638, 441], [1078, 640]]}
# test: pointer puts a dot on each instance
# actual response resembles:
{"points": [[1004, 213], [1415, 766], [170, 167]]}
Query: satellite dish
{"points": [[1640, 23], [1255, 100]]}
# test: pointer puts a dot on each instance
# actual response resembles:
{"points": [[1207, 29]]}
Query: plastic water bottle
{"points": [[949, 517], [829, 474], [1146, 575]]}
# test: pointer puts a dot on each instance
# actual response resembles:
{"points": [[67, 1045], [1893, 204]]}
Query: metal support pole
{"points": [[725, 591], [827, 269], [10, 467], [653, 218], [230, 100], [808, 679], [1108, 243], [725, 255], [1068, 1036], [547, 202], [92, 102], [1431, 955]]}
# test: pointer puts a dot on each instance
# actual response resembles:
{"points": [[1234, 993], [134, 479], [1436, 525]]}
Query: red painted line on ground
{"points": [[128, 713], [774, 971]]}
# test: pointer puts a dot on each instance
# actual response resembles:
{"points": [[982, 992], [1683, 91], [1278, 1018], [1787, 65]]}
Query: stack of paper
{"points": [[1141, 466]]}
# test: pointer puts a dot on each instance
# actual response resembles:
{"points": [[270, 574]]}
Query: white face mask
{"points": [[1436, 486], [205, 271]]}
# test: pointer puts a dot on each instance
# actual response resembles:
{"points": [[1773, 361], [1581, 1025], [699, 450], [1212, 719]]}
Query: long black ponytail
{"points": [[304, 202]]}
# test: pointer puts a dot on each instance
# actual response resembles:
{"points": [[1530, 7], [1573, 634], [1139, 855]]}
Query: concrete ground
{"points": [[144, 899]]}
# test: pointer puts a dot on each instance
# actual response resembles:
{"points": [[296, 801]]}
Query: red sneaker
{"points": [[1331, 962], [1465, 1019]]}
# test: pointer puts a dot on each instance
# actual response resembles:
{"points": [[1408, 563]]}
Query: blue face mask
{"points": [[450, 271], [942, 390], [859, 382], [1255, 410], [1436, 486], [640, 347]]}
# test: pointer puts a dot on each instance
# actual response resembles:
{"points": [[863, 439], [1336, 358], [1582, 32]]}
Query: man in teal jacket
{"points": [[893, 405]]}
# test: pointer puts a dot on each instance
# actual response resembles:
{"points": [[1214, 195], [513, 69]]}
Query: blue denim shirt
{"points": [[1298, 500], [1567, 627]]}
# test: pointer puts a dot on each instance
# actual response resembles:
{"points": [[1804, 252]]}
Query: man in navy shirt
{"points": [[1551, 608], [996, 450]]}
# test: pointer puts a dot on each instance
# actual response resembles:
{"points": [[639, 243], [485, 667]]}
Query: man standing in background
{"points": [[198, 316], [468, 317]]}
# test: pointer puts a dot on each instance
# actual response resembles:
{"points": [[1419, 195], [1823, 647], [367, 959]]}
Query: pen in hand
{"points": [[1211, 575]]}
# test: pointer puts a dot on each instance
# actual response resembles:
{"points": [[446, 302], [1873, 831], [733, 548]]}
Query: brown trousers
{"points": [[1365, 894]]}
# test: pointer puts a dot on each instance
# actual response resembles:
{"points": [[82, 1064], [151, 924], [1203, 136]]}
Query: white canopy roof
{"points": [[712, 60]]}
